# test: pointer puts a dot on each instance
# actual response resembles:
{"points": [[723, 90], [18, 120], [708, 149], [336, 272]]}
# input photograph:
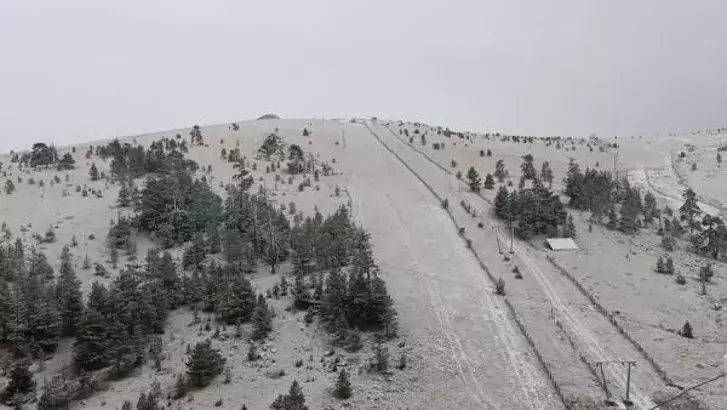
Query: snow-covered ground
{"points": [[465, 348]]}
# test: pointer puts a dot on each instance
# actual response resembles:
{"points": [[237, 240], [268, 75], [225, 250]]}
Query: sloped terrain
{"points": [[465, 346]]}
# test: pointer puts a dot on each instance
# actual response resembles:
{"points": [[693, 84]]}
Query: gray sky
{"points": [[78, 70]]}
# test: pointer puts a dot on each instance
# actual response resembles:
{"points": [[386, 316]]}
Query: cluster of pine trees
{"points": [[532, 209], [606, 198], [336, 277], [623, 208], [37, 307], [162, 157]]}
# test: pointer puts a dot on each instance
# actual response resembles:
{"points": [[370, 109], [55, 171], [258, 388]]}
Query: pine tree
{"points": [[669, 268], [165, 272], [546, 174], [382, 357], [6, 307], [686, 330], [214, 239], [343, 386], [124, 199], [68, 293], [569, 229], [234, 246], [21, 382], [501, 203], [334, 299], [98, 299], [9, 186], [93, 172], [262, 319], [195, 254], [45, 321], [690, 210], [489, 181], [39, 266], [150, 401], [527, 168], [660, 265], [235, 298], [294, 400], [500, 171], [650, 210], [300, 292], [612, 223], [91, 347], [380, 307], [204, 364]]}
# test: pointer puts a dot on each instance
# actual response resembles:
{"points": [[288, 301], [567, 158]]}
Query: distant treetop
{"points": [[269, 117]]}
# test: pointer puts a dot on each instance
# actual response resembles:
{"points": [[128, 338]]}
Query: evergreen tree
{"points": [[527, 168], [45, 323], [380, 307], [382, 357], [650, 210], [546, 174], [234, 246], [262, 319], [150, 401], [9, 186], [165, 273], [92, 344], [343, 386], [713, 238], [214, 239], [235, 299], [669, 268], [6, 308], [501, 203], [98, 299], [569, 229], [93, 172], [68, 292], [489, 181], [124, 199], [204, 364], [500, 171], [660, 265], [687, 330], [294, 400], [612, 219], [114, 256], [300, 292], [39, 266], [195, 254], [335, 300], [690, 210], [21, 382]]}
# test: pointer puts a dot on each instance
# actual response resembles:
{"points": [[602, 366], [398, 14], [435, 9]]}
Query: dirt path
{"points": [[488, 364], [601, 340]]}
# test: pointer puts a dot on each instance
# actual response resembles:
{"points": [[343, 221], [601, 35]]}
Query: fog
{"points": [[81, 70]]}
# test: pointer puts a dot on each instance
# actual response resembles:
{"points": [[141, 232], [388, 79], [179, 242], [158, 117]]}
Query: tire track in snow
{"points": [[595, 348], [527, 375], [581, 331], [461, 359]]}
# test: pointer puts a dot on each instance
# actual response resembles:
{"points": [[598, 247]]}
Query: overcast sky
{"points": [[76, 70]]}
